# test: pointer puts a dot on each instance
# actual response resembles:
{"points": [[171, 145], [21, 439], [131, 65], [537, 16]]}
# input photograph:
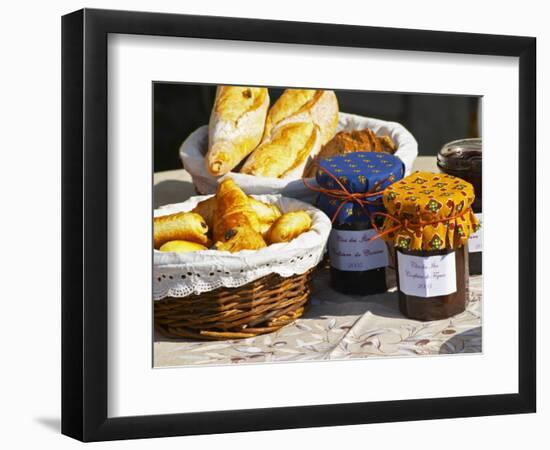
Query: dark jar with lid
{"points": [[359, 277], [357, 264], [463, 159], [424, 305], [429, 222]]}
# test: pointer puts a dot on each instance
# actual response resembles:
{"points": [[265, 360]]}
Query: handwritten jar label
{"points": [[475, 241], [351, 250], [427, 276]]}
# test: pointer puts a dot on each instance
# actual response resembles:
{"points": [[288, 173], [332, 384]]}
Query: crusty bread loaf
{"points": [[353, 141], [297, 125], [357, 141], [236, 126]]}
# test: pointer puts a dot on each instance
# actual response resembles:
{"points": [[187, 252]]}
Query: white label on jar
{"points": [[475, 241], [427, 276], [352, 251]]}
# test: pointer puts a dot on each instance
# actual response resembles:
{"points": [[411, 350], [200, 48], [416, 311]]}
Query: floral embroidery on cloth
{"points": [[429, 211]]}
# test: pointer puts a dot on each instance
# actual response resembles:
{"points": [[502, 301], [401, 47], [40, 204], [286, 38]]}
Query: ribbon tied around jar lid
{"points": [[350, 186], [427, 211]]}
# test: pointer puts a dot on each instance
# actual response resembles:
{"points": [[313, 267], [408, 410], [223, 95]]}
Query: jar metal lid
{"points": [[461, 155]]}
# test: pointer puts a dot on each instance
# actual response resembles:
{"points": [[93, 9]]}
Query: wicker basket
{"points": [[259, 307]]}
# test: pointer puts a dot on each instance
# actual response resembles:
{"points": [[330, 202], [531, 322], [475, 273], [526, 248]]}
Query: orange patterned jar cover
{"points": [[428, 211]]}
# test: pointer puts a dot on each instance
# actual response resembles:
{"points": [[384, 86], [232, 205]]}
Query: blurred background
{"points": [[433, 119]]}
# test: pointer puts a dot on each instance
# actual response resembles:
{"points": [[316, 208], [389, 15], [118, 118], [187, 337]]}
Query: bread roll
{"points": [[289, 226], [180, 226], [181, 246], [236, 126], [297, 125]]}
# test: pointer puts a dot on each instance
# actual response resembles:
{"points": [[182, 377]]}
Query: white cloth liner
{"points": [[193, 151], [181, 274]]}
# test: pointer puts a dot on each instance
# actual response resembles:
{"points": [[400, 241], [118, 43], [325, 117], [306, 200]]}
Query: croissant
{"points": [[181, 246], [289, 226], [206, 209], [233, 209], [236, 126], [297, 125], [240, 238], [267, 213], [180, 226]]}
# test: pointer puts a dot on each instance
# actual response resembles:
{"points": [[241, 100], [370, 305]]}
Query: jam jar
{"points": [[415, 299], [350, 189], [429, 220], [357, 266], [462, 159]]}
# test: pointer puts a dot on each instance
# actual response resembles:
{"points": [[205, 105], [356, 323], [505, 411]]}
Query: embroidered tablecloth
{"points": [[334, 326]]}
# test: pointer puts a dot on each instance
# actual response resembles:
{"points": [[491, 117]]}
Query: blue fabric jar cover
{"points": [[359, 173]]}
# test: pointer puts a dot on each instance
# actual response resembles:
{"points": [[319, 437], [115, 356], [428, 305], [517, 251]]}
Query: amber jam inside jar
{"points": [[352, 256], [463, 159], [432, 284], [429, 221]]}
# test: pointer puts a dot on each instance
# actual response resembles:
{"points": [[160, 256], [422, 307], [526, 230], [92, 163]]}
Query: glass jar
{"points": [[463, 159], [440, 300], [357, 264], [429, 221]]}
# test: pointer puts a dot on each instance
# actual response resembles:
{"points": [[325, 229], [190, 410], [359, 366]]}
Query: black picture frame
{"points": [[84, 224]]}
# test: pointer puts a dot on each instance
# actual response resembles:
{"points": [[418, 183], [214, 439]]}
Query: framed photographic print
{"points": [[274, 224]]}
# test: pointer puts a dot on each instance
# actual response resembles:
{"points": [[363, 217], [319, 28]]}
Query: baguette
{"points": [[236, 126], [304, 105], [286, 152], [297, 125]]}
